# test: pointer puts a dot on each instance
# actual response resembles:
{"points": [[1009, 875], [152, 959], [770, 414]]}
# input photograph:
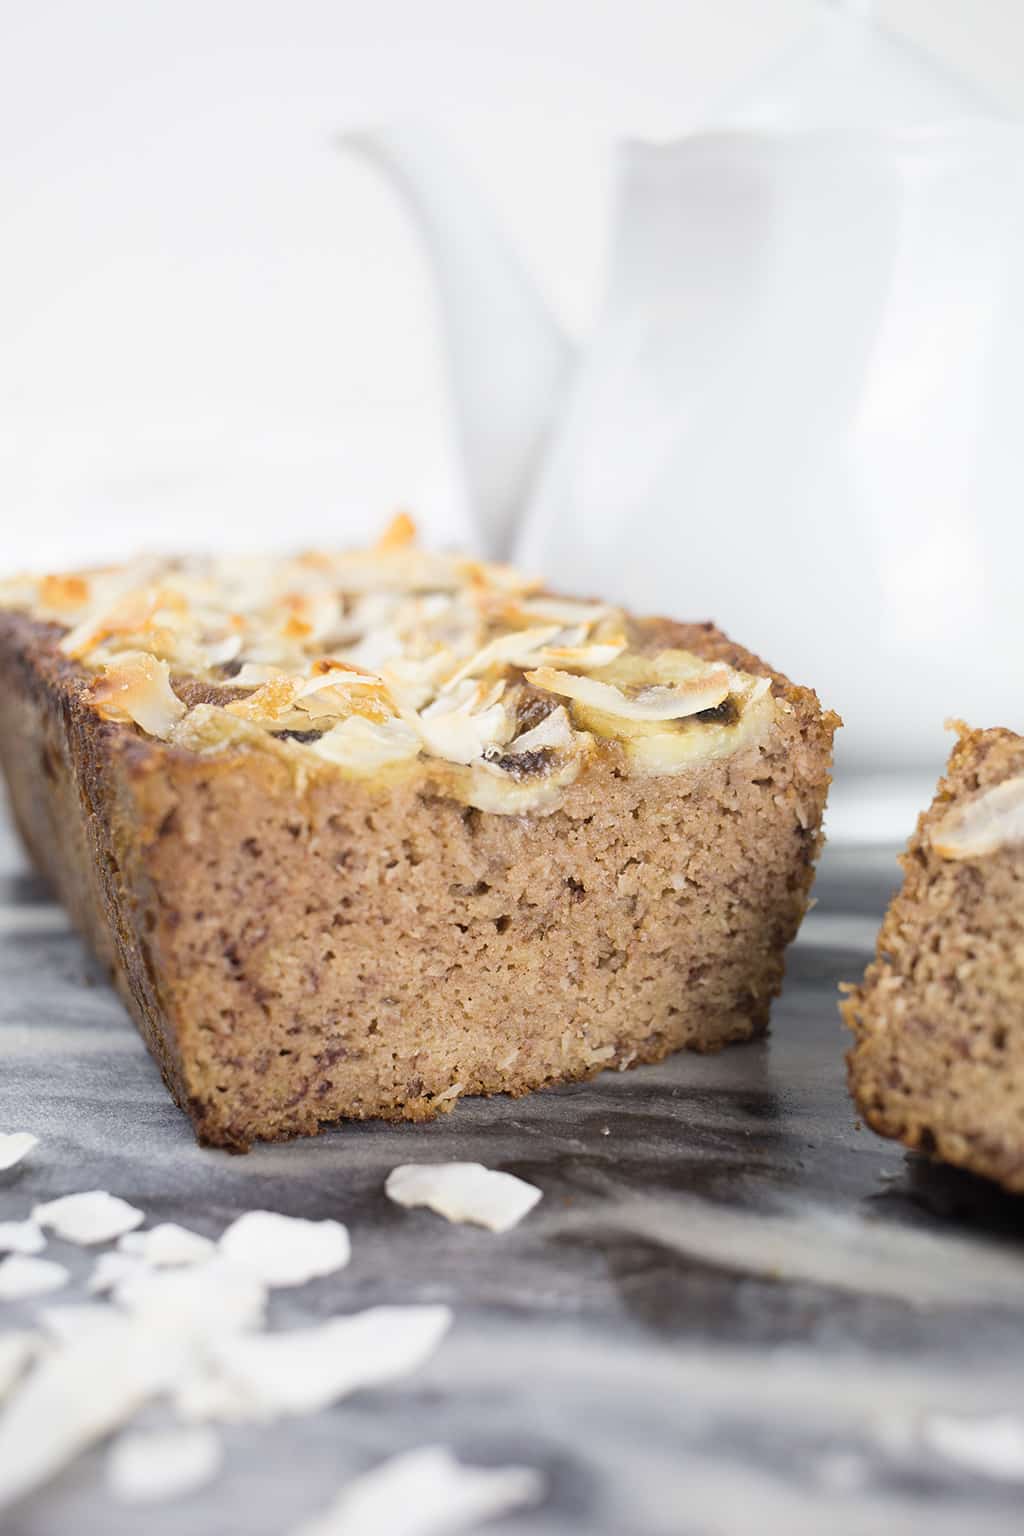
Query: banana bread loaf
{"points": [[939, 1017], [360, 833]]}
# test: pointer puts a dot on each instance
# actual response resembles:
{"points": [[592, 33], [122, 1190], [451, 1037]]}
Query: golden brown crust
{"points": [[295, 951], [938, 1061]]}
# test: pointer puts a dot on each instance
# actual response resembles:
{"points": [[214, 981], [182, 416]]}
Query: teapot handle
{"points": [[509, 361]]}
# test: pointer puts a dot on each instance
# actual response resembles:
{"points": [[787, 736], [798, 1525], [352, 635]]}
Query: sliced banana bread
{"points": [[361, 833], [939, 1017]]}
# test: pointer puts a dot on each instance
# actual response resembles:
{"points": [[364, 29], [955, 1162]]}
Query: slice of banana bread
{"points": [[358, 834], [939, 1016]]}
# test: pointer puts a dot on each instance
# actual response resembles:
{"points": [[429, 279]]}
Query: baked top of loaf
{"points": [[393, 660]]}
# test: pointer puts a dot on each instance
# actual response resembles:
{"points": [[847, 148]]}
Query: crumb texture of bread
{"points": [[938, 1020], [299, 943]]}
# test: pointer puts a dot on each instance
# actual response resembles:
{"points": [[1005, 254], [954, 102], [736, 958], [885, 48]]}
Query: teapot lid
{"points": [[846, 71]]}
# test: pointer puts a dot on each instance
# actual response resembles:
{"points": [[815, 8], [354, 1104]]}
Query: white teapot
{"points": [[801, 412]]}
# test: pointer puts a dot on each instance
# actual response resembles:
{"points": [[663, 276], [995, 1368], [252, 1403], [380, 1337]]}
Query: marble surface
{"points": [[729, 1313]]}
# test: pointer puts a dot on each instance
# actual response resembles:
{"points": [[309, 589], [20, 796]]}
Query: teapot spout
{"points": [[509, 361]]}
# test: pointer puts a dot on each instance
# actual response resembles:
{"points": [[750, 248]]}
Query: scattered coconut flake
{"points": [[77, 1395], [17, 1351], [14, 1145], [70, 1322], [148, 1465], [990, 821], [198, 1300], [286, 1250], [21, 1237], [90, 1217], [168, 1245], [111, 1269], [992, 1447], [464, 1192], [265, 1376], [654, 702], [425, 1492], [22, 1275]]}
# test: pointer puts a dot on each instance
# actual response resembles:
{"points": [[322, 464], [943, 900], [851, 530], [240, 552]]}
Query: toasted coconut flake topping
{"points": [[992, 820], [517, 648], [399, 534], [367, 745], [372, 657], [654, 702], [138, 687], [553, 731], [460, 726]]}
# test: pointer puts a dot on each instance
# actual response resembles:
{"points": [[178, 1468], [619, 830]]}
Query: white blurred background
{"points": [[214, 327]]}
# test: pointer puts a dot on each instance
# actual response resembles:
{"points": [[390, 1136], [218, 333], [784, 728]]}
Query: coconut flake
{"points": [[515, 648], [150, 1465], [22, 1275], [286, 1250], [464, 1192], [65, 1324], [77, 1395], [359, 743], [21, 1237], [137, 686], [553, 731], [200, 1300], [254, 674], [425, 1492], [90, 1217], [17, 1351], [337, 675], [167, 1246], [459, 725], [992, 1447], [14, 1145], [566, 610], [706, 689], [111, 1269], [266, 1376], [582, 658], [983, 825]]}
